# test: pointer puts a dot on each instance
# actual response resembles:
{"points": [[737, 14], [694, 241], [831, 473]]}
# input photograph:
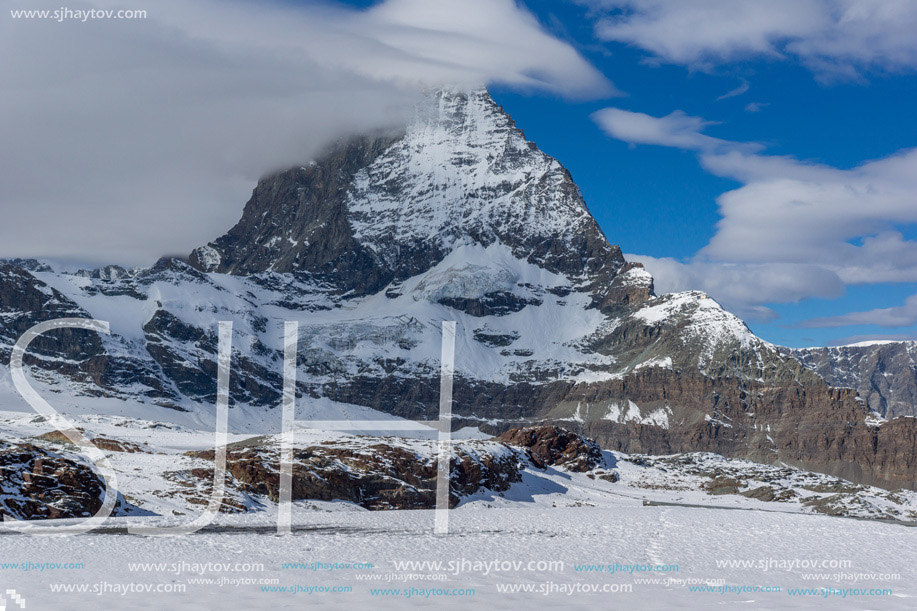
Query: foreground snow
{"points": [[654, 539], [660, 557]]}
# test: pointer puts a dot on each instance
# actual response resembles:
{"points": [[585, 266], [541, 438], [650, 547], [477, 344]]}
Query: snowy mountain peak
{"points": [[464, 173], [380, 209]]}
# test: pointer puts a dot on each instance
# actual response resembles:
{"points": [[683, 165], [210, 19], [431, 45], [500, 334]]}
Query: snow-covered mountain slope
{"points": [[464, 174], [652, 532], [375, 243]]}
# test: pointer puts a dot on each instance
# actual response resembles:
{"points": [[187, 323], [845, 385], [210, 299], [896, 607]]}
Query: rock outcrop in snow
{"points": [[37, 484]]}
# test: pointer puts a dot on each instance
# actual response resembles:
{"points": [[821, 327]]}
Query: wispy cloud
{"points": [[899, 316], [742, 88], [755, 106], [677, 130], [834, 38]]}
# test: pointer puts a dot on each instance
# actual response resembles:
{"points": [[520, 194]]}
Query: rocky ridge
{"points": [[883, 373]]}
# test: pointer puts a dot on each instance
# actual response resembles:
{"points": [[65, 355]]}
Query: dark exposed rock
{"points": [[631, 285], [115, 445], [495, 339], [37, 484], [884, 374], [814, 427], [552, 445], [26, 301], [378, 476], [304, 206], [187, 355], [491, 304], [768, 494], [103, 443], [724, 485], [379, 473]]}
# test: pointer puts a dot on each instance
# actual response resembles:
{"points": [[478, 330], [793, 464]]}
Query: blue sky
{"points": [[760, 151], [659, 201], [791, 104]]}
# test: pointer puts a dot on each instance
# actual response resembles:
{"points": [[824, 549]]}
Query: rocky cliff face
{"points": [[26, 301], [883, 373], [371, 246]]}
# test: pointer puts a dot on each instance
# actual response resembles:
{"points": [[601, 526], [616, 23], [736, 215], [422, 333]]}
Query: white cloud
{"points": [[742, 88], [125, 140], [794, 212], [472, 41], [899, 316], [676, 130], [834, 38], [793, 229]]}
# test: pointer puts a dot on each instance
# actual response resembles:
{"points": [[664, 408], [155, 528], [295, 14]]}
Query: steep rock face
{"points": [[813, 426], [26, 301], [884, 374], [185, 354], [297, 221]]}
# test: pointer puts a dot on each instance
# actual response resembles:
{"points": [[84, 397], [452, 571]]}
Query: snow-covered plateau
{"points": [[618, 555]]}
